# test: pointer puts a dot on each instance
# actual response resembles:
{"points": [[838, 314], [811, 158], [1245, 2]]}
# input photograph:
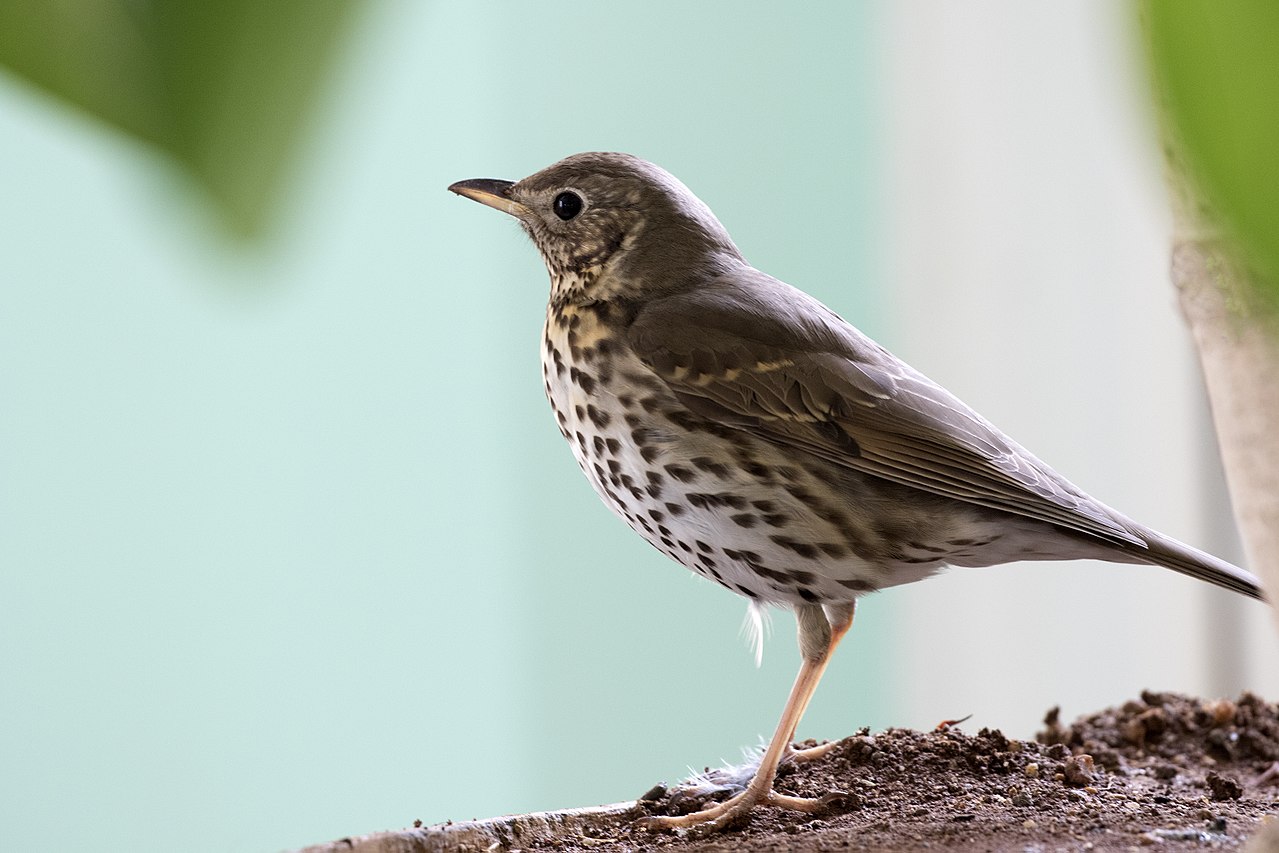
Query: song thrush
{"points": [[752, 435]]}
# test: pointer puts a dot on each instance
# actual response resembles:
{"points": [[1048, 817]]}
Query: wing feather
{"points": [[756, 354]]}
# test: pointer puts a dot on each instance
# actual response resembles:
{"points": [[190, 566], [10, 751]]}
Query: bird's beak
{"points": [[492, 192]]}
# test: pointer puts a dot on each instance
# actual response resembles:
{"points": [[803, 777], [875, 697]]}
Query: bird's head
{"points": [[611, 226]]}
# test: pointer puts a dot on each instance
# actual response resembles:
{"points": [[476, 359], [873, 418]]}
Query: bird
{"points": [[751, 434]]}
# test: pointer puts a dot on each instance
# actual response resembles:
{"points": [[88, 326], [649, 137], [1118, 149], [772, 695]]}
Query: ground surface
{"points": [[1165, 771]]}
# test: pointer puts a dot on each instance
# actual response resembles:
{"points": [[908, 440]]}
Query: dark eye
{"points": [[567, 205]]}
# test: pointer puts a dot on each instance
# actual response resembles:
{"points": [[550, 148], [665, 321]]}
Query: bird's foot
{"points": [[733, 810], [812, 753]]}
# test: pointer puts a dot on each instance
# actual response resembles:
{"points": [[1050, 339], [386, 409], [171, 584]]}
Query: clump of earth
{"points": [[1165, 771], [1162, 769]]}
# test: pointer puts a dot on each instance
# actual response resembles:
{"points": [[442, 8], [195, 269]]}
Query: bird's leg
{"points": [[818, 636], [840, 617]]}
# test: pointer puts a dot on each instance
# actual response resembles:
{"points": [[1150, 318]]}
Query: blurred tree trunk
{"points": [[1236, 333]]}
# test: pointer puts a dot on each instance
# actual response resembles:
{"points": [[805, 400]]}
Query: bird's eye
{"points": [[567, 205]]}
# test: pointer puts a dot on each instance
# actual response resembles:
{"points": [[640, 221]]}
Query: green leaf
{"points": [[223, 86], [1216, 66]]}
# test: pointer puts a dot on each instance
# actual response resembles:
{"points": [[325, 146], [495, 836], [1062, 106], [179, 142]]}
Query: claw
{"points": [[812, 753], [735, 810]]}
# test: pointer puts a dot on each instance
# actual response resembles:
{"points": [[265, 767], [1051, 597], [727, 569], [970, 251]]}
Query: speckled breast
{"points": [[713, 498]]}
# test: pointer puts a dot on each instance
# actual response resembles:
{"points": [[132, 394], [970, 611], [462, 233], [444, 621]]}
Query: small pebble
{"points": [[1032, 770], [1224, 787], [1079, 770], [1222, 712]]}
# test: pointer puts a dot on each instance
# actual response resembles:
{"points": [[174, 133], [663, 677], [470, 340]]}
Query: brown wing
{"points": [[755, 353]]}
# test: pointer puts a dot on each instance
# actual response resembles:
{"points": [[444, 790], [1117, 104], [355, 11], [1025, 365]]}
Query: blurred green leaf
{"points": [[223, 86], [1216, 65]]}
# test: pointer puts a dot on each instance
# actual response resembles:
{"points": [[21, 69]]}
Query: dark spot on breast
{"points": [[702, 546], [764, 506], [599, 445], [829, 514], [744, 519], [649, 453], [581, 440], [663, 529], [580, 412], [769, 574], [631, 420], [667, 542], [679, 472], [614, 466], [559, 362], [807, 594], [799, 493], [710, 465], [803, 549], [776, 519], [705, 500], [586, 382], [656, 514], [600, 419], [613, 445], [858, 585], [833, 549]]}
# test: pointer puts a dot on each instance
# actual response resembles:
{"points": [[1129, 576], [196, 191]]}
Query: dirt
{"points": [[1165, 771]]}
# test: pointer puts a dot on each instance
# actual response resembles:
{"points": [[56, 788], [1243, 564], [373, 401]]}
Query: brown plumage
{"points": [[751, 434]]}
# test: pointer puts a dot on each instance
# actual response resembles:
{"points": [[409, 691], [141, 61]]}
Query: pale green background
{"points": [[289, 545]]}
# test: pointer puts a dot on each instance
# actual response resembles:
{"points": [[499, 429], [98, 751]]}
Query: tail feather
{"points": [[1169, 553]]}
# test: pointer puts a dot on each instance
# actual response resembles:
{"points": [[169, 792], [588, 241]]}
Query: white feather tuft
{"points": [[757, 624]]}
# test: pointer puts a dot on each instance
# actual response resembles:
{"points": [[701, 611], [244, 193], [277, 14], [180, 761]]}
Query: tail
{"points": [[1169, 553]]}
